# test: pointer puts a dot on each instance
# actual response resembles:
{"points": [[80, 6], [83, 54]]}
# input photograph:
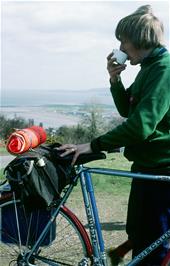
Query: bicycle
{"points": [[72, 244]]}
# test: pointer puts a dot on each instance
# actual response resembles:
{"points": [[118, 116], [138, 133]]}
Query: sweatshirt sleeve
{"points": [[120, 97], [141, 124]]}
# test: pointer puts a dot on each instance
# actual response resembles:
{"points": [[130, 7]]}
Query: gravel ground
{"points": [[112, 212]]}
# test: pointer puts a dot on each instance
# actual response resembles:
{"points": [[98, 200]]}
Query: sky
{"points": [[63, 45]]}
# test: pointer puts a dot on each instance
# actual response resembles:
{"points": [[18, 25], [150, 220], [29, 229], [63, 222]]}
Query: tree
{"points": [[93, 121], [114, 122], [8, 125], [80, 134]]}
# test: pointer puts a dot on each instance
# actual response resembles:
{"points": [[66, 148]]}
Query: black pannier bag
{"points": [[38, 176], [30, 224]]}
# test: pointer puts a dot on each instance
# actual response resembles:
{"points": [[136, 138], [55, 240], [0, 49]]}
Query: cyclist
{"points": [[145, 133]]}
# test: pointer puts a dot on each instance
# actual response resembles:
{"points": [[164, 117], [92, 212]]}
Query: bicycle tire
{"points": [[70, 247], [166, 260]]}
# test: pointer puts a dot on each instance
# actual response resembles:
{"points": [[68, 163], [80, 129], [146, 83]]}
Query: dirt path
{"points": [[5, 159]]}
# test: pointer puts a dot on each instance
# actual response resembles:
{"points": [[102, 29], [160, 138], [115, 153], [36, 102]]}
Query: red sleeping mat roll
{"points": [[22, 140]]}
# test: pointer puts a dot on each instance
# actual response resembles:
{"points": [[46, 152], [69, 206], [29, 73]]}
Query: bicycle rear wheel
{"points": [[166, 261], [71, 245]]}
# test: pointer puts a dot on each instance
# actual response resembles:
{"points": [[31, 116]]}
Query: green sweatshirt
{"points": [[146, 132]]}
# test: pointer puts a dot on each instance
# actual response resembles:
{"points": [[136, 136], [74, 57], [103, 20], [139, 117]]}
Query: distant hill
{"points": [[47, 97]]}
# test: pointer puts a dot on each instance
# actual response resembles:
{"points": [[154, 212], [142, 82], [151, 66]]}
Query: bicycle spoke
{"points": [[68, 248]]}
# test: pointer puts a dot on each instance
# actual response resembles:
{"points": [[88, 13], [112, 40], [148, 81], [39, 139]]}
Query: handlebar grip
{"points": [[86, 158]]}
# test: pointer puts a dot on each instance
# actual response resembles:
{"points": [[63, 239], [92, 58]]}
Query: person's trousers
{"points": [[148, 217]]}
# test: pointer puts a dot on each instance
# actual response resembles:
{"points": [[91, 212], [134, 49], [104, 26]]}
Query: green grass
{"points": [[3, 151], [1, 172], [1, 175], [113, 160]]}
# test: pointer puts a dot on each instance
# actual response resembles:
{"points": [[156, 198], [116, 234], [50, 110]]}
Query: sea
{"points": [[55, 108]]}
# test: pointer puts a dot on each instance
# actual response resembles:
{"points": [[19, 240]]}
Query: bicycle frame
{"points": [[99, 256], [93, 218], [97, 242]]}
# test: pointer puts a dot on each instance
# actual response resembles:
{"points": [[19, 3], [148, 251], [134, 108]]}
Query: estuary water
{"points": [[50, 117]]}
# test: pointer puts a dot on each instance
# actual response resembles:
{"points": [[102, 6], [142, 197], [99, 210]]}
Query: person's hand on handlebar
{"points": [[76, 149]]}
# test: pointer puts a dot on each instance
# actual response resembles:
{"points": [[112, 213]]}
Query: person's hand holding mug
{"points": [[115, 64]]}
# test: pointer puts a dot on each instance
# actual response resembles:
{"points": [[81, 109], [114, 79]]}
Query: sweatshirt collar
{"points": [[158, 51]]}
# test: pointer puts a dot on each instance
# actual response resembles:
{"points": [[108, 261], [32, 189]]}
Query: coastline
{"points": [[57, 115]]}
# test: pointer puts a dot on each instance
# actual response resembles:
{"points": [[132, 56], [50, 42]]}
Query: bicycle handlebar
{"points": [[82, 158], [86, 158]]}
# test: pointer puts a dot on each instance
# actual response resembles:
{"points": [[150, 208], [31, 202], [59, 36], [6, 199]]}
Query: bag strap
{"points": [[3, 182], [19, 177]]}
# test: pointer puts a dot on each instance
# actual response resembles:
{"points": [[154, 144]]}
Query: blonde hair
{"points": [[141, 28]]}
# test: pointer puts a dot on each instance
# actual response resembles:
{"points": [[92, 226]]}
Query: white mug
{"points": [[120, 56]]}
